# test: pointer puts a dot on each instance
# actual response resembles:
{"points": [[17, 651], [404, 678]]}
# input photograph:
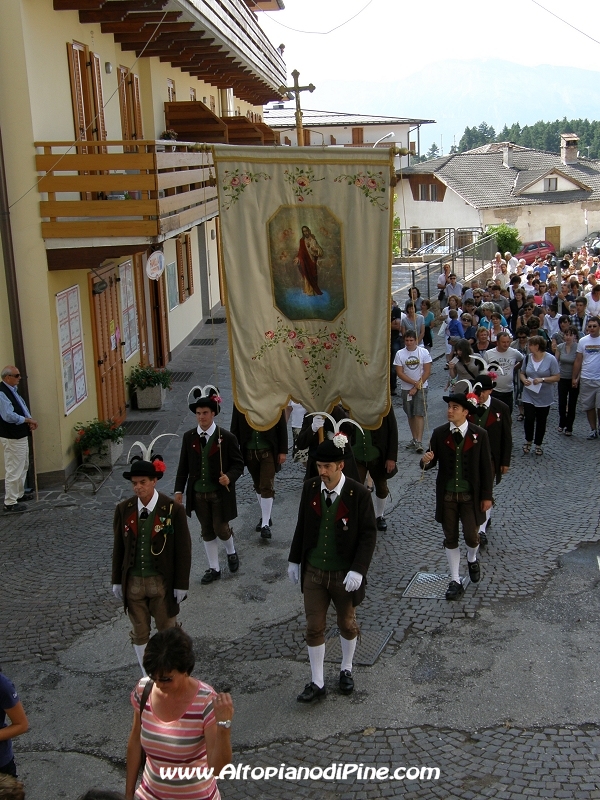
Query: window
{"points": [[128, 311], [131, 108], [429, 192], [550, 184], [357, 135], [171, 96], [433, 192], [424, 191], [185, 275], [86, 92], [213, 106], [192, 94]]}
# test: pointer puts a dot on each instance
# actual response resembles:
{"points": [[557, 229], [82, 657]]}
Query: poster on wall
{"points": [[172, 291], [68, 312], [128, 313]]}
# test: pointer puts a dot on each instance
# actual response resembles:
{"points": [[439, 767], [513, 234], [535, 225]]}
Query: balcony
{"points": [[138, 192]]}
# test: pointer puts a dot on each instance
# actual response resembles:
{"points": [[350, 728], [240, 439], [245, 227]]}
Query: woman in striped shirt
{"points": [[183, 727]]}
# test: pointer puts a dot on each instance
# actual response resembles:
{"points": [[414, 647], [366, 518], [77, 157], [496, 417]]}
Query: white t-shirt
{"points": [[411, 362], [593, 306], [590, 347], [507, 361]]}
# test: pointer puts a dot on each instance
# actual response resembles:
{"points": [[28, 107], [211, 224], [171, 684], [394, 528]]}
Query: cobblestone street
{"points": [[499, 691]]}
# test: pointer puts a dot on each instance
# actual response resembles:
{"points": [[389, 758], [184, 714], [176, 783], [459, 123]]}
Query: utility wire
{"points": [[79, 140], [321, 33], [565, 21]]}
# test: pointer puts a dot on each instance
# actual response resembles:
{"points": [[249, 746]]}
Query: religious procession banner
{"points": [[306, 258]]}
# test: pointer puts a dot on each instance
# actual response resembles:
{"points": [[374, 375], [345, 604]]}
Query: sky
{"points": [[390, 40]]}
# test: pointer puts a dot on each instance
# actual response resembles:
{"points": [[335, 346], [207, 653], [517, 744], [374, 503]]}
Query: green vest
{"points": [[458, 483], [482, 420], [325, 556], [205, 482], [144, 565], [364, 450], [258, 442]]}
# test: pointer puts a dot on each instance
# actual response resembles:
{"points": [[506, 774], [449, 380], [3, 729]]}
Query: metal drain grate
{"points": [[181, 377], [430, 586], [139, 427], [216, 321], [202, 342], [368, 648]]}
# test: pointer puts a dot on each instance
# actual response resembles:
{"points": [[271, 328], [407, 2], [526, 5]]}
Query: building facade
{"points": [[95, 192]]}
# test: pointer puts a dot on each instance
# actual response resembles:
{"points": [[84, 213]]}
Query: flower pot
{"points": [[108, 458], [152, 397]]}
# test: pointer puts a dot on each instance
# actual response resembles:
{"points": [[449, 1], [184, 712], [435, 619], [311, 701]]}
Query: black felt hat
{"points": [[204, 397], [462, 400], [328, 450], [145, 469]]}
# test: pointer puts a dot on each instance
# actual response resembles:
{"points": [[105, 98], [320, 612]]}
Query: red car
{"points": [[531, 250]]}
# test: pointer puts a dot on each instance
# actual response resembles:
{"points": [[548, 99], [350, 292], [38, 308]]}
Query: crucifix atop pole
{"points": [[294, 92]]}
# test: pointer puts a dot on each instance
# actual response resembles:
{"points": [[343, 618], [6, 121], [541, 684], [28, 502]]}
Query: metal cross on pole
{"points": [[294, 92]]}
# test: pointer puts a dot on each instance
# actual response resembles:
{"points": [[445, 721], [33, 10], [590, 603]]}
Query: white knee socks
{"points": [[453, 557], [212, 553], [348, 648], [266, 506], [316, 656], [139, 651], [472, 554], [379, 505], [488, 514], [229, 546]]}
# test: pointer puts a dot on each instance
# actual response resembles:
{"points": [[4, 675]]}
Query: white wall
{"points": [[532, 221], [562, 185], [453, 212]]}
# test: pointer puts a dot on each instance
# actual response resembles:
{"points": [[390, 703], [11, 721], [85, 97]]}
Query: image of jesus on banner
{"points": [[309, 252]]}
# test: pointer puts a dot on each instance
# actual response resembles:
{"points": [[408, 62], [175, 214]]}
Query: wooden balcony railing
{"points": [[132, 189]]}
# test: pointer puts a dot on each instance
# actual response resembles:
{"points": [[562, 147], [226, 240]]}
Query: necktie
{"points": [[480, 411], [328, 494], [144, 513], [457, 436], [203, 439]]}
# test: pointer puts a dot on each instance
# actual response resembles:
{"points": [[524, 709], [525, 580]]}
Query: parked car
{"points": [[531, 250]]}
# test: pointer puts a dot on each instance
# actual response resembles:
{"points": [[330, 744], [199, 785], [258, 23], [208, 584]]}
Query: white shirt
{"points": [[411, 362], [208, 433], [512, 264], [151, 504], [589, 346], [462, 428], [593, 306], [334, 492]]}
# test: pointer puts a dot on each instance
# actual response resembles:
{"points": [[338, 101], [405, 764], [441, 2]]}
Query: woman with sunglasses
{"points": [[178, 721], [567, 393]]}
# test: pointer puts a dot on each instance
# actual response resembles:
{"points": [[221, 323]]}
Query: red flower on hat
{"points": [[159, 466]]}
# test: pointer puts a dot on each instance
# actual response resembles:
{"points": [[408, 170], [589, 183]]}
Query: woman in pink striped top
{"points": [[183, 728]]}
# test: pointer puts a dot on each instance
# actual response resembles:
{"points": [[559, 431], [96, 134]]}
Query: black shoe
{"points": [[381, 524], [311, 692], [454, 591], [25, 498], [210, 575], [14, 509], [474, 571], [483, 540], [259, 526], [346, 682], [233, 562], [265, 533]]}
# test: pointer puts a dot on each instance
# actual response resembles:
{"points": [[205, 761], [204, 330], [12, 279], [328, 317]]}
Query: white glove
{"points": [[118, 591], [180, 594], [294, 572], [317, 423], [352, 581]]}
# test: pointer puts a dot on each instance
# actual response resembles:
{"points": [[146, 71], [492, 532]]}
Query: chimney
{"points": [[507, 155], [569, 146]]}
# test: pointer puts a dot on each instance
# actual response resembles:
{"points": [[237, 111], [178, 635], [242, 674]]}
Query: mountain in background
{"points": [[463, 93]]}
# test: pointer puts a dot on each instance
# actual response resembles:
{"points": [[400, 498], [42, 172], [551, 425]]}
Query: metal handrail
{"points": [[467, 262]]}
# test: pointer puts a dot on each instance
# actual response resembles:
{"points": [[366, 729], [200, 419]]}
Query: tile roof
{"points": [[285, 118], [483, 181]]}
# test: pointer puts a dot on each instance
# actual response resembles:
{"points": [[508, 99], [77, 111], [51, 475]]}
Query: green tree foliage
{"points": [[433, 152], [507, 238], [540, 136]]}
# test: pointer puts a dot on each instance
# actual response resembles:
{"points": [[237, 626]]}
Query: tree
{"points": [[507, 237], [433, 152]]}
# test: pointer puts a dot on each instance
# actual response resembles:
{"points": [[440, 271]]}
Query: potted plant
{"points": [[150, 385], [100, 442]]}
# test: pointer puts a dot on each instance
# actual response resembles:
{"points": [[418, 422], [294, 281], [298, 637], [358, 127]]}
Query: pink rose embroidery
{"points": [[292, 334], [246, 179], [235, 181], [270, 334]]}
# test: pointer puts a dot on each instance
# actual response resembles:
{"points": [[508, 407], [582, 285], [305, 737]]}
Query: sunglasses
{"points": [[18, 375], [162, 680]]}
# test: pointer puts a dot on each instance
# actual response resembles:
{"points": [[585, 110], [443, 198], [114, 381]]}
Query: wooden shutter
{"points": [[180, 271], [126, 122], [163, 310], [136, 106], [140, 297], [99, 125], [306, 137], [79, 91], [188, 262], [357, 136]]}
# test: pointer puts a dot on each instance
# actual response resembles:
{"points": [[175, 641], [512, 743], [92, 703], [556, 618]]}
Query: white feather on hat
{"points": [[336, 428], [147, 449], [204, 393]]}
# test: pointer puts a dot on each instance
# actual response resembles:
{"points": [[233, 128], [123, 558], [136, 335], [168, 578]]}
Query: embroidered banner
{"points": [[306, 256]]}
